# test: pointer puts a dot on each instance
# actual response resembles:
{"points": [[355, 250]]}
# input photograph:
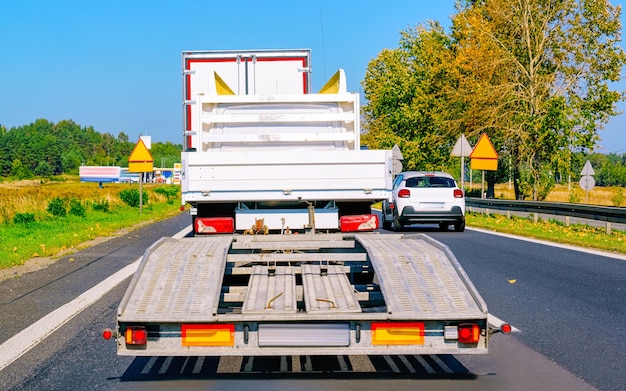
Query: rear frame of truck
{"points": [[309, 294]]}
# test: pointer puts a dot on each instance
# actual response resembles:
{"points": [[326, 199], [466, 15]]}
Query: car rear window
{"points": [[430, 181]]}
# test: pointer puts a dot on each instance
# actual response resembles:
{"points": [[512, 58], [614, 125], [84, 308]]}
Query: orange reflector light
{"points": [[136, 335], [208, 334], [391, 333], [469, 333]]}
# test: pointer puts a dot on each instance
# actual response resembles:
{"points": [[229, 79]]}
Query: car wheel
{"points": [[387, 225], [443, 226], [397, 225], [460, 226]]}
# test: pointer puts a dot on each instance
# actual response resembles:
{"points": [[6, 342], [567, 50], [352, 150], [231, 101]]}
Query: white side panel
{"points": [[286, 176]]}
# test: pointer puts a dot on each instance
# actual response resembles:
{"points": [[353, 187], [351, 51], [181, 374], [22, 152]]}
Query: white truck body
{"points": [[258, 157], [269, 145]]}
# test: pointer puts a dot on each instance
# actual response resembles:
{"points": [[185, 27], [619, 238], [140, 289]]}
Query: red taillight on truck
{"points": [[469, 333], [404, 193], [215, 225], [354, 223], [136, 336], [458, 193]]}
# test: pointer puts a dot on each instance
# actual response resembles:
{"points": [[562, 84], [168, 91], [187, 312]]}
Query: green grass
{"points": [[551, 230], [55, 235]]}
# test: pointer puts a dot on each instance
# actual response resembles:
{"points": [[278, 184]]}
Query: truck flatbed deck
{"points": [[166, 284], [271, 286]]}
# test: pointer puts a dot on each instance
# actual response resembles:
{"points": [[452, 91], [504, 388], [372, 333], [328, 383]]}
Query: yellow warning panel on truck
{"points": [[397, 333], [208, 334]]}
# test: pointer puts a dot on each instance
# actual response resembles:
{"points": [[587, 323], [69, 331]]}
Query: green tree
{"points": [[19, 171], [405, 94], [43, 169], [537, 78]]}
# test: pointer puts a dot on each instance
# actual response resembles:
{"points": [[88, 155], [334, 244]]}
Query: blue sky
{"points": [[116, 65]]}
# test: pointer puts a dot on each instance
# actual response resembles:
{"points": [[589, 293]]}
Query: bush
{"points": [[77, 208], [131, 197], [168, 191], [24, 218], [101, 205], [56, 207]]}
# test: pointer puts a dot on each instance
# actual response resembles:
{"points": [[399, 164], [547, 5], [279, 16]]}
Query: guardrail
{"points": [[590, 212]]}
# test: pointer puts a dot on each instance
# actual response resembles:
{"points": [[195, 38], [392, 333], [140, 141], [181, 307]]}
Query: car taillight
{"points": [[458, 193], [404, 193]]}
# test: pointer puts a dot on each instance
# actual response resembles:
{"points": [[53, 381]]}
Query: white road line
{"points": [[28, 338]]}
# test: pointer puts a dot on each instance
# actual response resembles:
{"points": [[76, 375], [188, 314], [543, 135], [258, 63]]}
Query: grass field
{"points": [[50, 236], [42, 234]]}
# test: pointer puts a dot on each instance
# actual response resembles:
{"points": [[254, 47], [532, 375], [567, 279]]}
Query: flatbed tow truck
{"points": [[285, 258]]}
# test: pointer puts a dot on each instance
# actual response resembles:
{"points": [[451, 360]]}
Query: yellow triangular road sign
{"points": [[484, 149], [140, 154]]}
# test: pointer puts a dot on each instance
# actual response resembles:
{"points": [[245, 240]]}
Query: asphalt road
{"points": [[567, 304]]}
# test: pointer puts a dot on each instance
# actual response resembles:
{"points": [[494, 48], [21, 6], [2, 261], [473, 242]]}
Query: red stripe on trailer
{"points": [[214, 225], [352, 223]]}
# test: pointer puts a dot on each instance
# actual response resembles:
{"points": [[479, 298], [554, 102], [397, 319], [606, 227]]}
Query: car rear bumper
{"points": [[411, 216]]}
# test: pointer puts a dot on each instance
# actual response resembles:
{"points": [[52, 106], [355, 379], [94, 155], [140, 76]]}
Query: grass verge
{"points": [[29, 230], [551, 230]]}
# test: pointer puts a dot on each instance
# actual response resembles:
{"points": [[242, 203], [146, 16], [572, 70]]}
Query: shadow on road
{"points": [[297, 367]]}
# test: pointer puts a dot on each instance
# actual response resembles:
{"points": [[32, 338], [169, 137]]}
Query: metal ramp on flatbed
{"points": [[177, 280], [421, 278]]}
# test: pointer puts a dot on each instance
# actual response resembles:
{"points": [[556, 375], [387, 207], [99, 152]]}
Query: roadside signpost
{"points": [[587, 181], [462, 148], [396, 156], [484, 157], [140, 160]]}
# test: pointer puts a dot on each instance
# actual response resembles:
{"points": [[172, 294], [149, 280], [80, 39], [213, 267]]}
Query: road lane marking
{"points": [[25, 340]]}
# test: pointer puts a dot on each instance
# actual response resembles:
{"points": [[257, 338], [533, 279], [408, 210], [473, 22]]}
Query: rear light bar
{"points": [[352, 223], [214, 225], [397, 333], [458, 193]]}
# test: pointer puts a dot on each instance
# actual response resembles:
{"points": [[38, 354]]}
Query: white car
{"points": [[425, 197]]}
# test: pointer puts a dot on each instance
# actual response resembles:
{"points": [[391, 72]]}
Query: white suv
{"points": [[425, 197]]}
